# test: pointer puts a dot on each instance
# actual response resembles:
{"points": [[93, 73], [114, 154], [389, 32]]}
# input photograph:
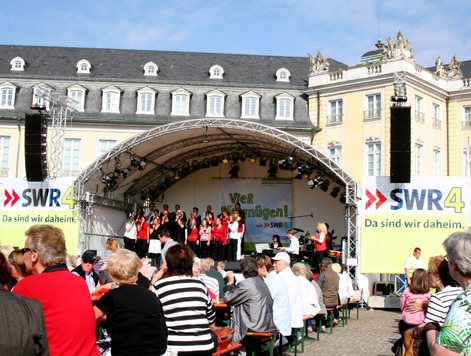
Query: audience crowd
{"points": [[170, 308]]}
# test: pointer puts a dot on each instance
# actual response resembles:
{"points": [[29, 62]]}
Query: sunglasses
{"points": [[89, 261], [24, 250]]}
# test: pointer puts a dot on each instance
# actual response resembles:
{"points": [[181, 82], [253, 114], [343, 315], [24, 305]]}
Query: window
{"points": [[77, 93], [83, 66], [336, 112], [250, 105], [436, 120], [37, 93], [151, 69], [284, 107], [373, 104], [466, 123], [7, 96], [71, 167], [282, 75], [419, 110], [111, 96], [146, 101], [17, 64], [419, 169], [215, 104], [4, 155], [216, 72], [105, 146], [181, 102], [335, 154], [374, 159], [436, 163]]}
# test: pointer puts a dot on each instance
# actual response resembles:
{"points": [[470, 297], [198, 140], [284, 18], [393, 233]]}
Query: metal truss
{"points": [[59, 107], [270, 140]]}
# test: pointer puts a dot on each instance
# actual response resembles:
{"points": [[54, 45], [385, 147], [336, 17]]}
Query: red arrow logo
{"points": [[7, 200], [9, 197], [380, 199]]}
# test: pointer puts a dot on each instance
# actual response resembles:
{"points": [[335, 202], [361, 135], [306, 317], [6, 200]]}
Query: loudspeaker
{"points": [[400, 162], [35, 147]]}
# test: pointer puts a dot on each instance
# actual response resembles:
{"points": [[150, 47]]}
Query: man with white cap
{"points": [[281, 265]]}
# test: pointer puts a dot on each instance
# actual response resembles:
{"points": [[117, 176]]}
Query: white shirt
{"points": [[281, 308], [295, 297], [321, 237], [294, 246], [149, 215], [90, 282], [343, 286], [131, 234], [310, 297], [233, 227]]}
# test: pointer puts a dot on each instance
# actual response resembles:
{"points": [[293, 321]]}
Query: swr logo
{"points": [[9, 197], [380, 199]]}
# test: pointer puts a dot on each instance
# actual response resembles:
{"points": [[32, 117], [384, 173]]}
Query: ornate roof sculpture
{"points": [[318, 65], [453, 69], [398, 49]]}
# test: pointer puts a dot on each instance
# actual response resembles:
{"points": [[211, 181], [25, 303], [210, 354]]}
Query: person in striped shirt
{"points": [[188, 309]]}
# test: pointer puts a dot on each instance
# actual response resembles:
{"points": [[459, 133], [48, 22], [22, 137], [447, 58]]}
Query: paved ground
{"points": [[373, 334]]}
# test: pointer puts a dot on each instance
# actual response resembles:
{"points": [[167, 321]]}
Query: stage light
{"points": [[252, 159], [234, 172], [108, 180], [318, 181], [160, 185], [263, 161], [302, 171], [177, 175], [272, 162], [206, 163], [335, 192], [272, 171], [325, 186], [225, 160], [139, 163], [343, 198], [243, 156], [286, 163], [214, 162], [119, 169]]}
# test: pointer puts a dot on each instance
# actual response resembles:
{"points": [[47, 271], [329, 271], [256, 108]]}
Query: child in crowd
{"points": [[418, 290], [220, 267]]}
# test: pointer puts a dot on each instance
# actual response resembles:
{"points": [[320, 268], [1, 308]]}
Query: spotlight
{"points": [[234, 172], [253, 158], [139, 163], [206, 163], [325, 186], [243, 156], [225, 160], [335, 192], [302, 171], [119, 169], [272, 162], [272, 171], [286, 163], [160, 185], [214, 162], [343, 198], [177, 175], [263, 161], [318, 181], [108, 180]]}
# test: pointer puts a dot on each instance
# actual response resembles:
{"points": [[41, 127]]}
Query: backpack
{"points": [[328, 241]]}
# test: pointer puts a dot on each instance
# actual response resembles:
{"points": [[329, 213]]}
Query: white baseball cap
{"points": [[282, 256]]}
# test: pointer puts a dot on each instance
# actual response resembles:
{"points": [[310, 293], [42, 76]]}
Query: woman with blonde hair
{"points": [[18, 268], [134, 315], [320, 244], [111, 247]]}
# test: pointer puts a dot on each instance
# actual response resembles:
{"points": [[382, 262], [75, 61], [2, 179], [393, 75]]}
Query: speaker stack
{"points": [[35, 147], [400, 168]]}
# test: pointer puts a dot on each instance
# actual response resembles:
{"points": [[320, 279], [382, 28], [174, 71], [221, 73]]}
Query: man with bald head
{"points": [[68, 311]]}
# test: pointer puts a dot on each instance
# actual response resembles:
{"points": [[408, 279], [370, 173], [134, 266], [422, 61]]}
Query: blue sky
{"points": [[339, 29]]}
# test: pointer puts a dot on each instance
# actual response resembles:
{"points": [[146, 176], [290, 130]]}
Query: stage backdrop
{"points": [[396, 218], [267, 204], [28, 203]]}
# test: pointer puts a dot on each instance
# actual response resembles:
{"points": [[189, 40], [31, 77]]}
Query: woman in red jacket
{"points": [[193, 235], [142, 240], [220, 233], [320, 244]]}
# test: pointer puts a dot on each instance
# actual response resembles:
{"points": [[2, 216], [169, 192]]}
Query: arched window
{"points": [[250, 105], [282, 75], [215, 104], [216, 72], [77, 93], [146, 101], [181, 102], [111, 98], [83, 66], [284, 107], [17, 64], [151, 69]]}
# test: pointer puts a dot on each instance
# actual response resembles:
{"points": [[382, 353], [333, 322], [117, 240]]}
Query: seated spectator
{"points": [[453, 338], [221, 268], [134, 315], [281, 265], [71, 262], [279, 293], [196, 269], [187, 306], [344, 292], [85, 270], [215, 274], [22, 326], [111, 247], [252, 302], [310, 299], [65, 298], [329, 283], [320, 298], [18, 268], [344, 273], [211, 283], [147, 270]]}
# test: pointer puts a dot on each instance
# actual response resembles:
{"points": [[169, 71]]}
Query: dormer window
{"points": [[17, 64], [181, 102], [151, 69], [282, 75], [111, 98], [84, 66], [215, 104], [216, 72], [284, 107], [146, 101], [38, 91], [77, 93], [250, 105], [7, 96]]}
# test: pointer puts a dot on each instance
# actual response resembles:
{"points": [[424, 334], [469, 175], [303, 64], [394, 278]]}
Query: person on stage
{"points": [[320, 244], [293, 248]]}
